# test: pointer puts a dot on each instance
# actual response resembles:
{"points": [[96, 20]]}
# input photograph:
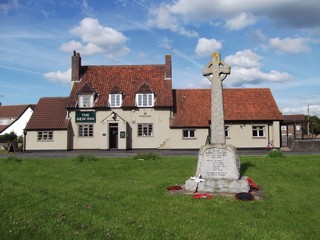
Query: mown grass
{"points": [[123, 198]]}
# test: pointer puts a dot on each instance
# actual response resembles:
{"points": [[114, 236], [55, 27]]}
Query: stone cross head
{"points": [[216, 69]]}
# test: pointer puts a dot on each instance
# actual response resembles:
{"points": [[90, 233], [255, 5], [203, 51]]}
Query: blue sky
{"points": [[268, 44]]}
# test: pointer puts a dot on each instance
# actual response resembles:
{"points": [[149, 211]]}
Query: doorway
{"points": [[113, 135]]}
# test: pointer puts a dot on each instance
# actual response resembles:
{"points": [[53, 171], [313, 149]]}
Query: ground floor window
{"points": [[227, 131], [45, 136], [85, 130], [258, 131], [188, 133], [145, 130]]}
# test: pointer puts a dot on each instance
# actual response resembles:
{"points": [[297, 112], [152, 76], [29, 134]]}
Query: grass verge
{"points": [[125, 198]]}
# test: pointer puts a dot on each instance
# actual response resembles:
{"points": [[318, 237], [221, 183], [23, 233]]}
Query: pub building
{"points": [[135, 107]]}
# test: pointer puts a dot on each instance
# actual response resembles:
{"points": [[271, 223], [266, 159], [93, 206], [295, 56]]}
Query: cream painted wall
{"points": [[127, 122], [60, 141], [176, 140], [240, 136], [163, 137]]}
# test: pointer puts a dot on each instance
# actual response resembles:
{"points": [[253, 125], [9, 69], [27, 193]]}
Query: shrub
{"points": [[14, 159], [275, 154], [85, 158], [147, 156]]}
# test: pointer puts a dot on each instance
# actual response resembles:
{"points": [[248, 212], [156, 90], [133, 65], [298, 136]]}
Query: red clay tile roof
{"points": [[293, 118], [192, 106], [13, 111], [3, 127], [50, 113], [127, 78]]}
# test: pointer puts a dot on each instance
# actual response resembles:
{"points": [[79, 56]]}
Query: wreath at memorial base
{"points": [[174, 188], [244, 196], [202, 196], [253, 186]]}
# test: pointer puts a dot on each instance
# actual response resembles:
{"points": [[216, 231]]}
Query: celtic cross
{"points": [[216, 71]]}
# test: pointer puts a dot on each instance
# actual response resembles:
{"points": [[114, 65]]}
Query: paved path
{"points": [[131, 153]]}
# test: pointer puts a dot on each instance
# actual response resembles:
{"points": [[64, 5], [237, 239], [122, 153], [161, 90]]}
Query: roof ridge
{"points": [[125, 65], [52, 98]]}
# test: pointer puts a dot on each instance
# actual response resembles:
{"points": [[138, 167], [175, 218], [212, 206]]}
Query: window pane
{"points": [[258, 131], [85, 130], [145, 100], [115, 100], [86, 101], [45, 136], [192, 133], [226, 131], [188, 133], [185, 133], [145, 130]]}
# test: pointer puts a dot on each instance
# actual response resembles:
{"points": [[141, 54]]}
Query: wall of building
{"points": [[60, 141], [128, 125], [177, 141], [163, 137], [241, 135]]}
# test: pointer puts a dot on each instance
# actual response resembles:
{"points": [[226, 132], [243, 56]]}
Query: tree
{"points": [[314, 126], [10, 137]]}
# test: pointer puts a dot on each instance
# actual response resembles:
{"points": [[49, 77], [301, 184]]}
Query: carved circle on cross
{"points": [[216, 69]]}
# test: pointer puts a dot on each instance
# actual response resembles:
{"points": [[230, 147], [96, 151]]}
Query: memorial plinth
{"points": [[218, 171]]}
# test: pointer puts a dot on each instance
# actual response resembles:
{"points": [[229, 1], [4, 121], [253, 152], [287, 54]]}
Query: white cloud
{"points": [[206, 46], [162, 18], [245, 68], [295, 13], [244, 59], [241, 21], [289, 45], [96, 39], [88, 49], [60, 77]]}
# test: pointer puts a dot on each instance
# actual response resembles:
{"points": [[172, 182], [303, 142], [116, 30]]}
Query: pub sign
{"points": [[88, 117]]}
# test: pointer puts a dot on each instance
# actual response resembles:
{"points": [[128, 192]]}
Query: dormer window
{"points": [[115, 97], [86, 96], [115, 100], [145, 99], [145, 96], [86, 101]]}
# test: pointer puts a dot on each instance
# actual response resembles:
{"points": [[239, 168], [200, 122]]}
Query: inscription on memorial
{"points": [[215, 165]]}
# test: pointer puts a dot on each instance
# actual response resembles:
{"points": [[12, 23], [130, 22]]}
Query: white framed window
{"points": [[145, 99], [45, 136], [227, 131], [86, 101], [258, 131], [4, 121], [188, 133], [115, 100], [85, 130], [145, 130]]}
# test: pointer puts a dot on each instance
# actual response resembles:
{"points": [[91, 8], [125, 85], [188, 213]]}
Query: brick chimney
{"points": [[168, 68], [75, 67]]}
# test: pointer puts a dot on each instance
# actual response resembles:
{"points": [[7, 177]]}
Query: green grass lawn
{"points": [[126, 198]]}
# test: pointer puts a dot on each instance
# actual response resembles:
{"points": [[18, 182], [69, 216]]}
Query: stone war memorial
{"points": [[218, 169]]}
